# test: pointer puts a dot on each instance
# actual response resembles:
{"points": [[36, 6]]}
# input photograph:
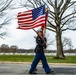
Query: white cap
{"points": [[39, 30]]}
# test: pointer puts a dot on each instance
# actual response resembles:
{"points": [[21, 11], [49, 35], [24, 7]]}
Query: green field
{"points": [[26, 58]]}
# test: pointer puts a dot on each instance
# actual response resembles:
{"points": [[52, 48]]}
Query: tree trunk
{"points": [[59, 52]]}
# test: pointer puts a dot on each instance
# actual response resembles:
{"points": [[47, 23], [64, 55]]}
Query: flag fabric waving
{"points": [[32, 18]]}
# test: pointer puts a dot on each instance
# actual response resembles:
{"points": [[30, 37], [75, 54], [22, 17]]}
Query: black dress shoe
{"points": [[35, 69], [32, 73], [50, 72]]}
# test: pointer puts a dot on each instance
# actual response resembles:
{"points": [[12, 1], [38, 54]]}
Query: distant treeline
{"points": [[14, 49], [46, 51]]}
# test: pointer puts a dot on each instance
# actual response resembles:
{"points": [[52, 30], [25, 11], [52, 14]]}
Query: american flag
{"points": [[32, 18]]}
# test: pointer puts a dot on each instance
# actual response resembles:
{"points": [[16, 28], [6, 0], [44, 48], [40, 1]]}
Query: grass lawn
{"points": [[26, 58]]}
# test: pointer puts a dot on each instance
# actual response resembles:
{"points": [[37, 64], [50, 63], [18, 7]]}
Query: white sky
{"points": [[25, 38]]}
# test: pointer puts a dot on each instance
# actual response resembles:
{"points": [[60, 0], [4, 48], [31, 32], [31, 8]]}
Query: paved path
{"points": [[23, 69]]}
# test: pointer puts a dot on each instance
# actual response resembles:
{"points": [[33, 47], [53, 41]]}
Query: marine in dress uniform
{"points": [[39, 50]]}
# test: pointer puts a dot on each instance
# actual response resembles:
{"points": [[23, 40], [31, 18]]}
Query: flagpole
{"points": [[46, 19]]}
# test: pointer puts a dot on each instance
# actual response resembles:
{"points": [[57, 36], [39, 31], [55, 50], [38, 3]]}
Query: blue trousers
{"points": [[38, 57]]}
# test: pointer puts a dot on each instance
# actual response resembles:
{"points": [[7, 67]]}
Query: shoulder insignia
{"points": [[38, 38]]}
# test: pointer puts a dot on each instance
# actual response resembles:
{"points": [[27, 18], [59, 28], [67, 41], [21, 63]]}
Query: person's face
{"points": [[40, 33]]}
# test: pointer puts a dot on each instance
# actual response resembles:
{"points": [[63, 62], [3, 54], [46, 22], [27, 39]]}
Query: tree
{"points": [[13, 49], [4, 18], [4, 48], [67, 43], [61, 17]]}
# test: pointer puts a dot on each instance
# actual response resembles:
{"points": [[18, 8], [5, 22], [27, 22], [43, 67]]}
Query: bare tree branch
{"points": [[6, 5], [51, 25], [50, 29], [45, 4], [61, 2], [38, 3], [73, 29], [2, 34], [32, 3], [63, 9], [51, 13], [51, 17], [66, 6], [51, 3], [24, 5], [56, 3], [71, 4], [68, 15], [67, 21]]}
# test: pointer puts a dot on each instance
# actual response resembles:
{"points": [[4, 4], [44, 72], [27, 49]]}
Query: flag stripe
{"points": [[30, 27], [24, 13], [41, 18], [24, 17], [33, 24]]}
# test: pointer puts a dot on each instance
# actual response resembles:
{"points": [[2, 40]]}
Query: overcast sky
{"points": [[25, 38]]}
